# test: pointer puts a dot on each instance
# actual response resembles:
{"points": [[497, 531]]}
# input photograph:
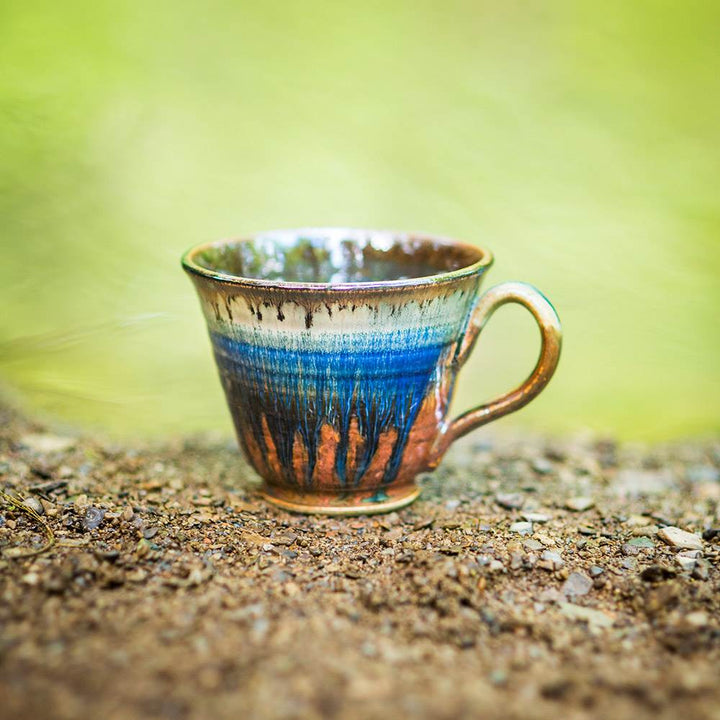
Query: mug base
{"points": [[338, 504]]}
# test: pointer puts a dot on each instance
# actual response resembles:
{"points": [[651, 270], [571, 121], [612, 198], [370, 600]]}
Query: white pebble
{"points": [[676, 537]]}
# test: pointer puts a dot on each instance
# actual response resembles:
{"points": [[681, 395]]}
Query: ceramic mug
{"points": [[338, 351]]}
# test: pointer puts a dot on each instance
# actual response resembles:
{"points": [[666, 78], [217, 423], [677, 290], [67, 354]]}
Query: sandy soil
{"points": [[532, 579]]}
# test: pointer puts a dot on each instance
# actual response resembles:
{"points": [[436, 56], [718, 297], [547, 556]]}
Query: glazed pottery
{"points": [[338, 351]]}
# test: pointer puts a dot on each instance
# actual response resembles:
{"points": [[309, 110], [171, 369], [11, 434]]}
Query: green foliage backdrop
{"points": [[578, 140]]}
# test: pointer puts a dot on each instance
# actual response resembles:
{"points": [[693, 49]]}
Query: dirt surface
{"points": [[531, 580]]}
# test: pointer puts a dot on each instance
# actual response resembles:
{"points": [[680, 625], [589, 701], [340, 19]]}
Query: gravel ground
{"points": [[533, 579]]}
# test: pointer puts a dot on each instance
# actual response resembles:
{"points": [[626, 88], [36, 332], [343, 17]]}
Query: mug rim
{"points": [[191, 266]]}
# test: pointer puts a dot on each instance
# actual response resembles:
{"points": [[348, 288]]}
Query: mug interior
{"points": [[335, 256]]}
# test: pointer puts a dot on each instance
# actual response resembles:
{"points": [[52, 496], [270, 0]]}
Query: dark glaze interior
{"points": [[331, 257]]}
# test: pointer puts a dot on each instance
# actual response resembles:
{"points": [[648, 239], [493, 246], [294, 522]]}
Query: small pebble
{"points": [[546, 540], [510, 501], [534, 517], [576, 585], [579, 504], [645, 531], [551, 560], [595, 571], [686, 564], [542, 466], [640, 542], [32, 503], [93, 518], [533, 545], [694, 554], [698, 618], [522, 528], [676, 537]]}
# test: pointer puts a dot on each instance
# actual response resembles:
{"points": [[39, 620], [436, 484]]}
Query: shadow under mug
{"points": [[338, 351]]}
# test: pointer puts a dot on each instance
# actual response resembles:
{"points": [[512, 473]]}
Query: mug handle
{"points": [[551, 337]]}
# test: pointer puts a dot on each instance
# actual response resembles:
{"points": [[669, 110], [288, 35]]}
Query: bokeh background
{"points": [[579, 140]]}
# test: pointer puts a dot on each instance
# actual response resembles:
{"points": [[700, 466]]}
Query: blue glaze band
{"points": [[382, 383]]}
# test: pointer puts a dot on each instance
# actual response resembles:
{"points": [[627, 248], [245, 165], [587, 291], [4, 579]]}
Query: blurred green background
{"points": [[580, 141]]}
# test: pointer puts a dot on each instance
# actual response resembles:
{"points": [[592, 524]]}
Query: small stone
{"points": [[645, 531], [32, 503], [535, 517], [686, 564], [641, 542], [533, 545], [522, 528], [698, 619], [710, 534], [579, 504], [542, 466], [629, 563], [551, 560], [595, 571], [694, 554], [586, 530], [289, 538], [676, 537], [510, 501], [93, 518], [496, 566], [150, 532], [594, 618], [546, 540], [576, 585], [46, 443], [638, 521]]}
